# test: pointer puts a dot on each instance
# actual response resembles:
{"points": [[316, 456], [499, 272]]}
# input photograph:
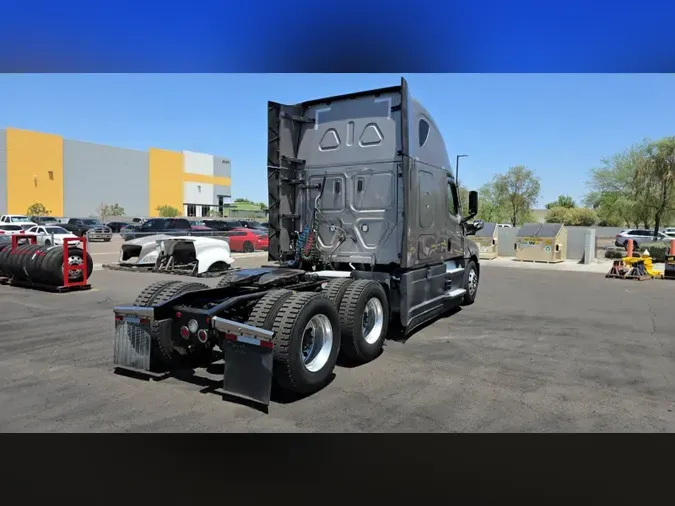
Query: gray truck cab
{"points": [[368, 174]]}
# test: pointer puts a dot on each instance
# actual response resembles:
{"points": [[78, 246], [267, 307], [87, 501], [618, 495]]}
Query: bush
{"points": [[573, 217], [168, 211], [38, 209], [615, 254], [657, 250], [582, 217]]}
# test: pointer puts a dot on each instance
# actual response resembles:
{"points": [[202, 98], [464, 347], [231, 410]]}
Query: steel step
{"points": [[457, 292]]}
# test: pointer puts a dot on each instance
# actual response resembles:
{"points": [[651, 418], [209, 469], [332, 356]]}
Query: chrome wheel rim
{"points": [[372, 320], [317, 343], [473, 282], [75, 260]]}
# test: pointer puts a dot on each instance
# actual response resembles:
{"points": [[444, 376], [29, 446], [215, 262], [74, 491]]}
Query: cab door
{"points": [[455, 237]]}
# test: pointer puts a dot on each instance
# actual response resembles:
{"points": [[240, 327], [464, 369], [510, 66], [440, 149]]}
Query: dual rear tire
{"points": [[312, 329]]}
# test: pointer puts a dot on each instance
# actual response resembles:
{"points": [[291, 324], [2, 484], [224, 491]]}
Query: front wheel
{"points": [[48, 242], [470, 283]]}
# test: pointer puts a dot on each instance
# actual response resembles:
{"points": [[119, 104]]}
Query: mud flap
{"points": [[248, 355], [132, 343], [247, 371]]}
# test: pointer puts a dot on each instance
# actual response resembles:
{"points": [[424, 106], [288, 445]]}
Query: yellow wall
{"points": [[165, 180], [34, 171], [202, 178]]}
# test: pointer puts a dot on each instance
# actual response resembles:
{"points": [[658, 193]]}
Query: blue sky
{"points": [[559, 125]]}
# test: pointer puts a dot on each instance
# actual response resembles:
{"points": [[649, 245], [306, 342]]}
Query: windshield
{"points": [[92, 222], [56, 230], [20, 219]]}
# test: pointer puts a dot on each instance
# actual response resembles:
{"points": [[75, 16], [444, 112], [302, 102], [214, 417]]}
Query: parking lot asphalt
{"points": [[540, 351]]}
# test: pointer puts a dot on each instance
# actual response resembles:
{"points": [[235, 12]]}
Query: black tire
{"points": [[335, 290], [470, 270], [352, 313], [290, 371], [636, 246], [248, 247], [48, 242], [265, 311], [164, 350], [225, 280], [148, 294]]}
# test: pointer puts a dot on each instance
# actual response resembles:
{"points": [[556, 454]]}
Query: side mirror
{"points": [[473, 203], [474, 227]]}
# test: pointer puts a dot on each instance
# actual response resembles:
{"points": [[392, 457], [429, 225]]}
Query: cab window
{"points": [[453, 203]]}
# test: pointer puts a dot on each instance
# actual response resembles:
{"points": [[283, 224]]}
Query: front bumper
{"points": [[247, 351]]}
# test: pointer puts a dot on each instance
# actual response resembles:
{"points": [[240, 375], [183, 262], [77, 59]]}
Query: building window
{"points": [[191, 210], [423, 132]]}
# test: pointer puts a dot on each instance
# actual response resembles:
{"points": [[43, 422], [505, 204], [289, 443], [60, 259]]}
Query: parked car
{"points": [[44, 220], [154, 226], [504, 225], [116, 226], [639, 236], [17, 219], [201, 228], [669, 231], [11, 229], [53, 235], [247, 240], [92, 228], [128, 231], [221, 225]]}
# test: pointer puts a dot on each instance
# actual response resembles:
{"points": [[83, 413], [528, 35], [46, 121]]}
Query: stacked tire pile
{"points": [[42, 264]]}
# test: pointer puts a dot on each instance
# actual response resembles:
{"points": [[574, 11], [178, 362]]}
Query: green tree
{"points": [[655, 179], [563, 201], [168, 211], [38, 209], [104, 210], [618, 194], [518, 190]]}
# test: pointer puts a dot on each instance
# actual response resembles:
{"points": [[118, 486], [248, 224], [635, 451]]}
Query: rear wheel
{"points": [[306, 342], [335, 290], [364, 320], [164, 349], [248, 247], [225, 280], [265, 311]]}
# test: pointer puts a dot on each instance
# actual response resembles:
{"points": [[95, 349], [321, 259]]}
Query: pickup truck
{"points": [[92, 228], [168, 226]]}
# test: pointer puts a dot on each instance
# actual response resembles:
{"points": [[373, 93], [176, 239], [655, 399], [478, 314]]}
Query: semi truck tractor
{"points": [[366, 231]]}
